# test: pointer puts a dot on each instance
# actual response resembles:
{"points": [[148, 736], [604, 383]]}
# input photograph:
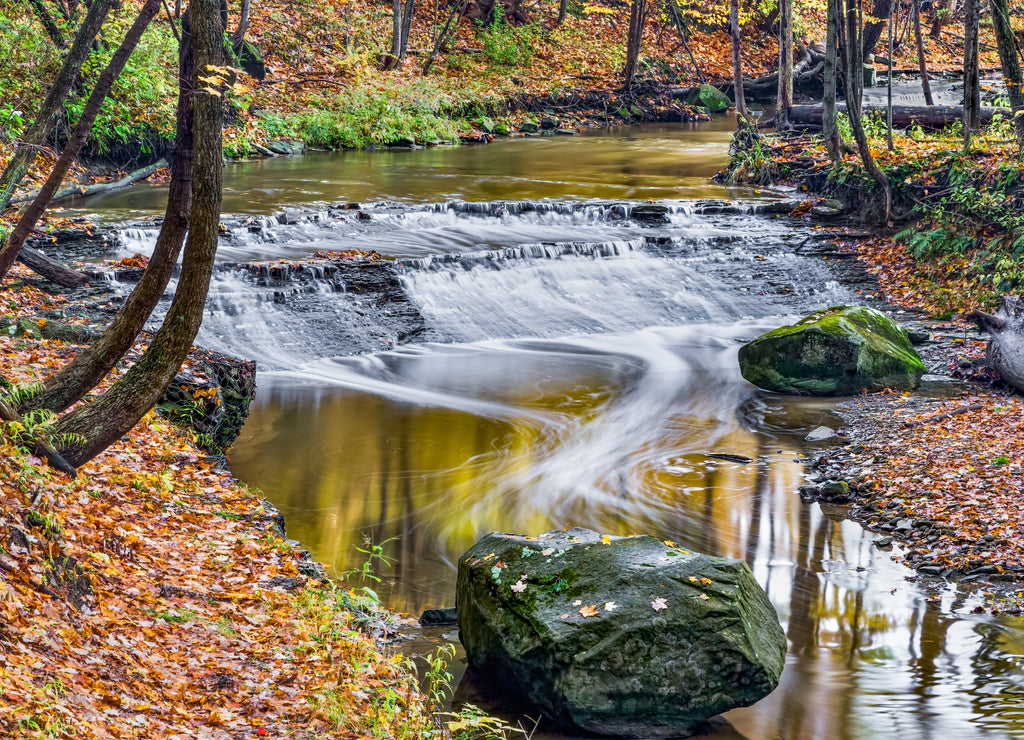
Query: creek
{"points": [[577, 367]]}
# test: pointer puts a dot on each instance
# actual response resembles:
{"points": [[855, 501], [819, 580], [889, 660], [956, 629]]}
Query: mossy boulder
{"points": [[622, 636], [709, 97], [837, 351]]}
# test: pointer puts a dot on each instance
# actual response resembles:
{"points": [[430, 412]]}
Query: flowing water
{"points": [[576, 367]]}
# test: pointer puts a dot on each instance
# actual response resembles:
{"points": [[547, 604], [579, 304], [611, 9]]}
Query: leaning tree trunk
{"points": [[32, 214], [53, 104], [785, 87], [406, 28], [1006, 346], [880, 11], [93, 364], [737, 59], [91, 428], [1009, 57]]}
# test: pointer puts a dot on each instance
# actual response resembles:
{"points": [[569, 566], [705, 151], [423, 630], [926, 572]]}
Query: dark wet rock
{"points": [[650, 213], [549, 123], [837, 351], [529, 127], [620, 636], [566, 131], [439, 617], [835, 491], [778, 207]]}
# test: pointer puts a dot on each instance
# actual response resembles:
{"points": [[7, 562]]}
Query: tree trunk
{"points": [[880, 9], [854, 64], [93, 427], [53, 105], [637, 11], [1009, 57], [458, 10], [238, 37], [392, 57], [943, 15], [31, 216], [921, 60], [830, 129], [972, 83], [406, 28], [785, 88], [49, 24], [888, 84], [737, 59], [562, 7], [1006, 347], [93, 364]]}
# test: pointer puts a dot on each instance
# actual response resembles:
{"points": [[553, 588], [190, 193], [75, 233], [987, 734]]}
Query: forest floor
{"points": [[154, 596]]}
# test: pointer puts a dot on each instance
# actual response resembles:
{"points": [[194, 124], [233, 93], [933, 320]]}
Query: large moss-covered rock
{"points": [[623, 636], [837, 351], [709, 97]]}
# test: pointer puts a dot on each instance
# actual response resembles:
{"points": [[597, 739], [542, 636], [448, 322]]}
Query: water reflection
{"points": [[438, 445], [651, 161]]}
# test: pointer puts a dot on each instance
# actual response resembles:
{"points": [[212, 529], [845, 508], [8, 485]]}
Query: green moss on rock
{"points": [[841, 350]]}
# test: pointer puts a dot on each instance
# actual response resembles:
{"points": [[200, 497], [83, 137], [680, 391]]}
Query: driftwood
{"points": [[1006, 346], [944, 415], [82, 191], [928, 117]]}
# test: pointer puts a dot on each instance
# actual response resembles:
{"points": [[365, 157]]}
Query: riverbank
{"points": [[938, 477], [155, 596]]}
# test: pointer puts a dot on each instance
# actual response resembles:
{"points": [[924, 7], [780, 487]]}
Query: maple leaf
{"points": [[577, 602], [589, 611], [610, 606], [705, 597], [606, 540], [658, 604]]}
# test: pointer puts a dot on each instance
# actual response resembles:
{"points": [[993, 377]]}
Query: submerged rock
{"points": [[624, 636], [837, 351]]}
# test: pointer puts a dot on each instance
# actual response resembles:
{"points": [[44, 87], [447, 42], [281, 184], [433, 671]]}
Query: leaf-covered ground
{"points": [[152, 597]]}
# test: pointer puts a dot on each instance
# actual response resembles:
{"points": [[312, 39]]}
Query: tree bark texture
{"points": [[1009, 57], [97, 425], [922, 62], [49, 24], [880, 11], [31, 216], [90, 366], [52, 108], [785, 88]]}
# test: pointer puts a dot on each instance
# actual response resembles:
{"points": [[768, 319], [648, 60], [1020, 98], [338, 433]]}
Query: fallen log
{"points": [[1006, 347], [928, 117], [51, 270], [82, 191]]}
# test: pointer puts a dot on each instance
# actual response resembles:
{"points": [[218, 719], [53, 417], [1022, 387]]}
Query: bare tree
{"points": [[401, 27]]}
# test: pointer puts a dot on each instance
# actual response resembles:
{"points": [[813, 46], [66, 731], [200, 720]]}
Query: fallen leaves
{"points": [[589, 611], [659, 603]]}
